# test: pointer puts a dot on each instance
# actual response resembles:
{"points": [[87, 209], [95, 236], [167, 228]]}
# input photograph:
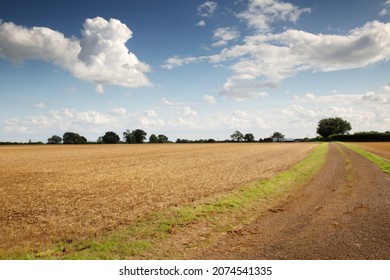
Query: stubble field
{"points": [[49, 194]]}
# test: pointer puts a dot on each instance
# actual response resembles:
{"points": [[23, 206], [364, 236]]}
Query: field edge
{"points": [[379, 161]]}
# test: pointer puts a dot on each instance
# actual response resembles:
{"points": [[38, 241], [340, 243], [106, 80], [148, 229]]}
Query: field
{"points": [[51, 194], [380, 148]]}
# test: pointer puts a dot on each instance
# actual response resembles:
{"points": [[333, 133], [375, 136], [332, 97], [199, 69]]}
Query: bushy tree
{"points": [[73, 138], [135, 136], [277, 136], [249, 137], [162, 138], [330, 126], [55, 139], [110, 138], [153, 138], [237, 136]]}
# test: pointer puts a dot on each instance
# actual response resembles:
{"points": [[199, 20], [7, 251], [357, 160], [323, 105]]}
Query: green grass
{"points": [[382, 163], [221, 214]]}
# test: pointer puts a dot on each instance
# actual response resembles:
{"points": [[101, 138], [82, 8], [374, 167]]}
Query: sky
{"points": [[192, 69]]}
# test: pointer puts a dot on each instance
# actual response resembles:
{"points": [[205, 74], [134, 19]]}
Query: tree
{"points": [[277, 136], [110, 138], [55, 139], [162, 138], [73, 138], [237, 136], [136, 136], [249, 137], [330, 126], [153, 138]]}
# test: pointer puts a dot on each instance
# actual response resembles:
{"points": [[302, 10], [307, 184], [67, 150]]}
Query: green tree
{"points": [[330, 126], [153, 138], [237, 136], [136, 136], [110, 138], [73, 138], [55, 139], [162, 138], [249, 137], [277, 136]]}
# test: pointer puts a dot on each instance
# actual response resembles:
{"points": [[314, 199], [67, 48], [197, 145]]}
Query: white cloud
{"points": [[386, 10], [167, 102], [209, 99], [175, 61], [223, 35], [201, 23], [17, 125], [262, 13], [119, 111], [377, 98], [188, 112], [151, 113], [99, 89], [40, 105], [95, 118], [207, 9], [100, 56], [266, 59], [241, 88]]}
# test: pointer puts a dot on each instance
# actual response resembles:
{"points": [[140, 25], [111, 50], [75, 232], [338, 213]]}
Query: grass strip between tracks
{"points": [[221, 213], [382, 163]]}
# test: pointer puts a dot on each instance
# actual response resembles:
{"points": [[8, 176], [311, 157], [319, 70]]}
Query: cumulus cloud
{"points": [[201, 23], [175, 61], [263, 59], [188, 112], [223, 35], [61, 121], [100, 56], [262, 13], [207, 9], [209, 99], [99, 89], [167, 102], [386, 10], [241, 88], [40, 105], [120, 111], [151, 113], [95, 118], [266, 59]]}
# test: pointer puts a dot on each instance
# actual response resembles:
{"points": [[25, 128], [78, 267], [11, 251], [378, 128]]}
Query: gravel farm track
{"points": [[342, 213]]}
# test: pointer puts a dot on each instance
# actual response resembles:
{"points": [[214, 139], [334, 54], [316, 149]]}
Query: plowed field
{"points": [[54, 193], [380, 148]]}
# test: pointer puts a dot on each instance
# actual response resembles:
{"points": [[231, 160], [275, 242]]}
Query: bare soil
{"points": [[342, 213], [380, 148], [60, 193]]}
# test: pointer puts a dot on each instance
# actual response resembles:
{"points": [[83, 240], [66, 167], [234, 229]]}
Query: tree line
{"points": [[328, 129], [137, 136]]}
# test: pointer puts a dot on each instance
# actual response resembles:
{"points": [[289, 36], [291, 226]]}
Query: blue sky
{"points": [[192, 69]]}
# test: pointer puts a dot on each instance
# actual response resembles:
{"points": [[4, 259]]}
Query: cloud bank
{"points": [[100, 56]]}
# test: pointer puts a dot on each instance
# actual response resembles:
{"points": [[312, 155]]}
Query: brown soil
{"points": [[343, 213], [380, 148], [54, 193]]}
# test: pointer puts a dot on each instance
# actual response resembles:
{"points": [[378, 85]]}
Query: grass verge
{"points": [[382, 163], [160, 235]]}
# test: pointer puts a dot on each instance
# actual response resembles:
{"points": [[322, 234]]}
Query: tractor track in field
{"points": [[342, 213]]}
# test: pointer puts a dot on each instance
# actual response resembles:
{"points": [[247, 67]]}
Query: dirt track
{"points": [[343, 213]]}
